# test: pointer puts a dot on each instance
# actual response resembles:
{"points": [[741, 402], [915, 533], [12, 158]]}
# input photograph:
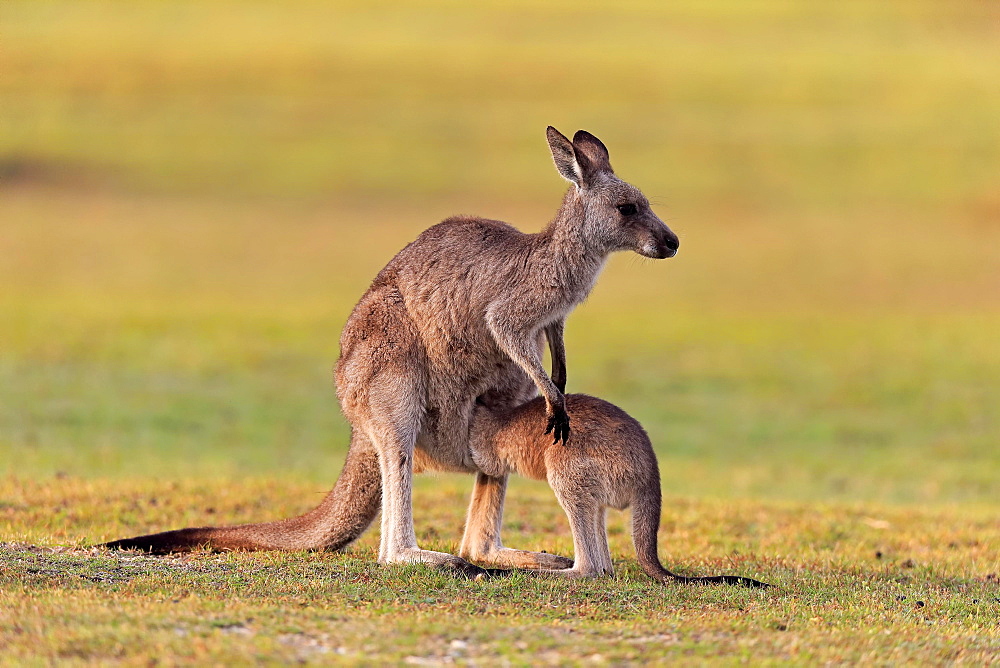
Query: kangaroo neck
{"points": [[575, 257]]}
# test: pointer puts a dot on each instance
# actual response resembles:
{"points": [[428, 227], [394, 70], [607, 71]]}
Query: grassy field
{"points": [[193, 195], [855, 583]]}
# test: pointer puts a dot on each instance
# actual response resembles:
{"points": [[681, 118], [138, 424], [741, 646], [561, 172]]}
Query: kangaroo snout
{"points": [[671, 242], [663, 244]]}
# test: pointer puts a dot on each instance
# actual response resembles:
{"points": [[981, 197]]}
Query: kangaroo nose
{"points": [[673, 243]]}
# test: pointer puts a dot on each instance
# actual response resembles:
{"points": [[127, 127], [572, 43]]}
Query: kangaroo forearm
{"points": [[557, 349], [523, 353], [546, 386]]}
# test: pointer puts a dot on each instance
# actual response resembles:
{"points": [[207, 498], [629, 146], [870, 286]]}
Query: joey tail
{"points": [[646, 524], [337, 521]]}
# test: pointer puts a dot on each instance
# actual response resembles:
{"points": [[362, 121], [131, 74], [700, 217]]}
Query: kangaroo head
{"points": [[616, 215]]}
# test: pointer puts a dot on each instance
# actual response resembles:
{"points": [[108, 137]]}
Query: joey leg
{"points": [[481, 541], [591, 557]]}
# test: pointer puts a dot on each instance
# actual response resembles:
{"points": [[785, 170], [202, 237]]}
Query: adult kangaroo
{"points": [[454, 320]]}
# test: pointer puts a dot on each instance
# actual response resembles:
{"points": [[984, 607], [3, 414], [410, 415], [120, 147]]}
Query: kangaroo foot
{"points": [[511, 558], [571, 573], [444, 561]]}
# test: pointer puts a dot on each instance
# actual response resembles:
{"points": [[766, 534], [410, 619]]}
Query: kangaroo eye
{"points": [[626, 209]]}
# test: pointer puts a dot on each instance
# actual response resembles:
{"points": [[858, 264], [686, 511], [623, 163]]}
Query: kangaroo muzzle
{"points": [[662, 244]]}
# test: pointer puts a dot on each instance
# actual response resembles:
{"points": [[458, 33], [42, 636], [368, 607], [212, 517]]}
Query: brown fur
{"points": [[456, 319], [611, 464]]}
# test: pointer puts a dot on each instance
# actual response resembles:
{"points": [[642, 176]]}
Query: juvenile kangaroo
{"points": [[611, 464], [454, 320]]}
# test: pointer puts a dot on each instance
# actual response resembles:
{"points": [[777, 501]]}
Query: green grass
{"points": [[192, 197], [852, 583], [177, 373]]}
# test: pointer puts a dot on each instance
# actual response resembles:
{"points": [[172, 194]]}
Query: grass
{"points": [[188, 213], [161, 377], [854, 584]]}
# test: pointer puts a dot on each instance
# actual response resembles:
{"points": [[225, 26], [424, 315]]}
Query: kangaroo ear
{"points": [[595, 152], [564, 156]]}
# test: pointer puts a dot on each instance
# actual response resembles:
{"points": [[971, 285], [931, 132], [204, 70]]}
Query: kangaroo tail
{"points": [[345, 514], [645, 526]]}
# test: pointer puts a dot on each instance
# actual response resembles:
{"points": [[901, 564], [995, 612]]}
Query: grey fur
{"points": [[456, 320]]}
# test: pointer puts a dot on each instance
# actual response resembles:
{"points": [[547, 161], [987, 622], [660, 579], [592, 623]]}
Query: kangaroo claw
{"points": [[558, 426]]}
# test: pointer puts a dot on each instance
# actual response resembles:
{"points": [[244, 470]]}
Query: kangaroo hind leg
{"points": [[591, 556], [481, 541], [392, 423]]}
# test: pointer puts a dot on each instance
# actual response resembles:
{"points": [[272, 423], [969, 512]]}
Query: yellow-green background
{"points": [[193, 195]]}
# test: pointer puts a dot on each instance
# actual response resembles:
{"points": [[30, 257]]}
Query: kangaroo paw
{"points": [[511, 558], [558, 425], [444, 561]]}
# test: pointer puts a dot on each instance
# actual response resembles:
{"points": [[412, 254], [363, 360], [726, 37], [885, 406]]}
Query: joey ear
{"points": [[564, 155], [594, 150]]}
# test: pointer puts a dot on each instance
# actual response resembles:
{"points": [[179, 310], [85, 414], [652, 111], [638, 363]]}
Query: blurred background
{"points": [[193, 195]]}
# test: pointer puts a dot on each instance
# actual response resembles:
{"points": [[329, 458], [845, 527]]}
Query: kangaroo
{"points": [[610, 464], [456, 320]]}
